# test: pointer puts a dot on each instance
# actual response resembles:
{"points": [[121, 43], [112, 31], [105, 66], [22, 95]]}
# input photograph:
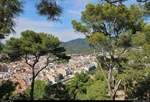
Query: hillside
{"points": [[77, 46]]}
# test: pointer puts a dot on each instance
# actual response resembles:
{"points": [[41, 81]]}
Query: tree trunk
{"points": [[32, 85], [32, 89], [109, 82], [74, 96], [111, 85], [114, 96]]}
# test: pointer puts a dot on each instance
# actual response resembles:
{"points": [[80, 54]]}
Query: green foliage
{"points": [[136, 76], [36, 44], [8, 11], [99, 75], [147, 33], [79, 27], [1, 47], [107, 25], [13, 48], [77, 84], [139, 39], [50, 9], [111, 20], [45, 91], [146, 48], [82, 77], [107, 28], [135, 82], [111, 32], [87, 87], [96, 91], [142, 91], [125, 40], [56, 92], [39, 89], [145, 4], [33, 42], [147, 7], [6, 89], [98, 38], [4, 58], [143, 37], [142, 40]]}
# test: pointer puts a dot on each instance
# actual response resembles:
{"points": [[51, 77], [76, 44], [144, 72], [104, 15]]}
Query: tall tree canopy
{"points": [[9, 9], [109, 30], [31, 47], [49, 8], [97, 18]]}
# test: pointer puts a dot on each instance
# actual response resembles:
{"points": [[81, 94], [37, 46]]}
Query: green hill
{"points": [[77, 46]]}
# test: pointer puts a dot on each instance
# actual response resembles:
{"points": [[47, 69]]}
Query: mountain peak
{"points": [[77, 46]]}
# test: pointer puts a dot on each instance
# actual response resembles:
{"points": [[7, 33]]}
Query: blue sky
{"points": [[30, 20]]}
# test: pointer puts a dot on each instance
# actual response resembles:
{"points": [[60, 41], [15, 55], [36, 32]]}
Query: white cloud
{"points": [[61, 31], [29, 23], [66, 34]]}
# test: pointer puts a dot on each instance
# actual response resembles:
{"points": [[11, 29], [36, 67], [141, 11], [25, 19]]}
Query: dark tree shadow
{"points": [[6, 89], [56, 92], [142, 91]]}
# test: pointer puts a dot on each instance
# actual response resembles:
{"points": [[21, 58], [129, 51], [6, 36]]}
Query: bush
{"points": [[39, 89]]}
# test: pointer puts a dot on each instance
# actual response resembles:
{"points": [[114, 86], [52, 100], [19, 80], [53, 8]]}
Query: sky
{"points": [[31, 20]]}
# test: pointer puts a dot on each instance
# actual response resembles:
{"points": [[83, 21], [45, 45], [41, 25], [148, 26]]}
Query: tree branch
{"points": [[101, 68], [114, 1], [35, 61], [26, 60], [117, 86], [47, 62], [123, 51], [105, 29]]}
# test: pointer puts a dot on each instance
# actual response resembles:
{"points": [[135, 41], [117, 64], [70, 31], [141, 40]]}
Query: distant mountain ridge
{"points": [[77, 46]]}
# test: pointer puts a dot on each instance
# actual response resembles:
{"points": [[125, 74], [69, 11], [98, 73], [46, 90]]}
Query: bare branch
{"points": [[47, 62], [123, 51], [117, 86], [113, 2], [35, 61], [26, 60], [105, 29], [101, 70]]}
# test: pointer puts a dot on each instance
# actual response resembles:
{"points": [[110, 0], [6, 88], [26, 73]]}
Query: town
{"points": [[74, 50], [20, 72]]}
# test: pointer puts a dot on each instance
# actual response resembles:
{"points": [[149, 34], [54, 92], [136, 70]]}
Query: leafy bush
{"points": [[39, 89]]}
